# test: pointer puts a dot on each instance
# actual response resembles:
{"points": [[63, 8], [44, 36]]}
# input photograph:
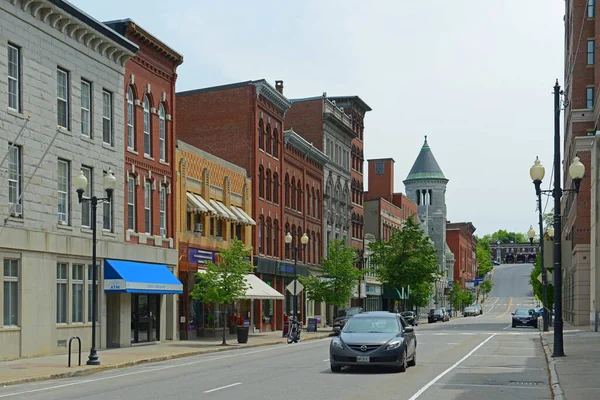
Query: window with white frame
{"points": [[62, 98], [62, 281], [63, 191], [14, 180], [107, 135], [147, 137], [86, 206], [130, 120], [591, 5], [590, 52], [11, 292], [162, 134], [148, 206], [589, 97], [86, 108], [163, 210], [14, 77], [77, 301], [131, 203], [107, 214]]}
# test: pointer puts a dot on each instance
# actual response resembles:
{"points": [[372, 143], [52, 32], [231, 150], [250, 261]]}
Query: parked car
{"points": [[539, 311], [411, 317], [345, 314], [377, 338], [478, 309], [495, 262], [437, 314], [470, 312], [524, 317]]}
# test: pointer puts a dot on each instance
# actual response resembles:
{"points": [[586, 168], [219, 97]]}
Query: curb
{"points": [[557, 393], [102, 368]]}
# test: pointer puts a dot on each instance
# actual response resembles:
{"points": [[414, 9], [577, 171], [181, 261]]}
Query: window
{"points": [[238, 232], [14, 77], [147, 206], [86, 207], [11, 292], [147, 138], [275, 186], [275, 241], [163, 211], [130, 120], [219, 228], [162, 144], [268, 185], [131, 203], [591, 8], [62, 98], [61, 292], [86, 108], [589, 97], [268, 139], [259, 228], [14, 180], [590, 52], [268, 236], [261, 134], [107, 215], [77, 293], [299, 195], [287, 190], [293, 194], [63, 191], [107, 136], [261, 182], [275, 143]]}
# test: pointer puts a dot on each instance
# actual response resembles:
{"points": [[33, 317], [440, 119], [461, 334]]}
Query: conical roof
{"points": [[425, 166]]}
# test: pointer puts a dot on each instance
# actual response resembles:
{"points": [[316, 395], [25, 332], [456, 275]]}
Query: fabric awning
{"points": [[134, 277], [243, 216], [205, 203], [259, 290], [194, 205], [223, 211], [219, 211]]}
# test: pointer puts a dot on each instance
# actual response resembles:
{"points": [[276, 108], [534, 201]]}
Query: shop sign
{"points": [[373, 290], [198, 256]]}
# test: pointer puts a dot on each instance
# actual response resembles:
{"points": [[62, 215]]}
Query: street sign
{"points": [[469, 285], [299, 288], [540, 278], [548, 276]]}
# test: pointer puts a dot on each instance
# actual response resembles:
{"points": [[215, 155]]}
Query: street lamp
{"points": [[531, 234], [296, 250], [551, 232], [81, 183]]}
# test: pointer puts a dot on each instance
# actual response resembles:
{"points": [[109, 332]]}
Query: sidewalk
{"points": [[574, 376], [54, 367]]}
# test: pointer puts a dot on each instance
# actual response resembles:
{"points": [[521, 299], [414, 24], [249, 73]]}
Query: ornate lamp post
{"points": [[81, 183], [296, 250]]}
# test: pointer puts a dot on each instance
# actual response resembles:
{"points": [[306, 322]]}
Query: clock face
{"points": [[379, 168]]}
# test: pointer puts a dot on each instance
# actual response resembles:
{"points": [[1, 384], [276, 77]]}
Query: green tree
{"points": [[337, 276], [485, 287], [224, 283], [420, 294], [484, 260], [459, 297], [408, 258], [537, 285]]}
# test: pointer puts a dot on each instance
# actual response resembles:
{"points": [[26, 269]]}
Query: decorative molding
{"points": [[168, 117], [153, 110], [272, 95], [148, 87], [163, 96], [132, 79], [138, 102]]}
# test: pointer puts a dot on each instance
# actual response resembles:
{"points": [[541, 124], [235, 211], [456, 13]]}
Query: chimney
{"points": [[279, 86]]}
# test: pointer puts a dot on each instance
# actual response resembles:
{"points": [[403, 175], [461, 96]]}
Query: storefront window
{"points": [[267, 311]]}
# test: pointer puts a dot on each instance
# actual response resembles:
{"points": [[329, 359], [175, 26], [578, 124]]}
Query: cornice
{"points": [[298, 142], [144, 37], [271, 94]]}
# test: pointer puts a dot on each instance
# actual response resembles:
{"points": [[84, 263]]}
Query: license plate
{"points": [[363, 359]]}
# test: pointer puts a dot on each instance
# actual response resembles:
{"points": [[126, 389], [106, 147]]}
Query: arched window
{"points": [[308, 201], [286, 190], [293, 194], [275, 236], [318, 206], [130, 119], [261, 135], [162, 136], [268, 237], [299, 196], [275, 188], [268, 185], [287, 248], [268, 139], [314, 205], [259, 229], [261, 182], [275, 143], [147, 137]]}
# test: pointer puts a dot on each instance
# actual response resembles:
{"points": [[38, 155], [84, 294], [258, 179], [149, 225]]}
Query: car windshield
{"points": [[372, 325], [522, 311], [470, 309], [436, 311], [348, 312], [406, 313]]}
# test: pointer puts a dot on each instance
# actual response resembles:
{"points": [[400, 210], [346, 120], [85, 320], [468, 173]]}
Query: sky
{"points": [[475, 76]]}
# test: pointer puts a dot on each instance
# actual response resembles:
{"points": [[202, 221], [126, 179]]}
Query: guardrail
{"points": [[79, 341]]}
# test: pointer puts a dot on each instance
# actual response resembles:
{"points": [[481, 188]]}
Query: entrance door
{"points": [[145, 318]]}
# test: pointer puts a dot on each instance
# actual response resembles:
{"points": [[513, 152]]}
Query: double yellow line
{"points": [[507, 309]]}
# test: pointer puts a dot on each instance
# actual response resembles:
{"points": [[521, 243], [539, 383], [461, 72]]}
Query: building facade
{"points": [[460, 240], [243, 123], [514, 253]]}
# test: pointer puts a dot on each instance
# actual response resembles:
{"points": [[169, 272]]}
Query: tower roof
{"points": [[425, 166]]}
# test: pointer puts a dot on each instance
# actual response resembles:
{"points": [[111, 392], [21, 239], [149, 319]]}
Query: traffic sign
{"points": [[299, 287]]}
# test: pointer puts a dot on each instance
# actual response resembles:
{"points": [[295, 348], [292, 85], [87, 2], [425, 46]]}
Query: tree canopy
{"points": [[537, 285], [460, 297]]}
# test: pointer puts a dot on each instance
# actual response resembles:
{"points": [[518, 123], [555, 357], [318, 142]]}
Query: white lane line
{"points": [[490, 386], [161, 368], [222, 387], [505, 328], [326, 360], [440, 376], [503, 356], [451, 343], [479, 367]]}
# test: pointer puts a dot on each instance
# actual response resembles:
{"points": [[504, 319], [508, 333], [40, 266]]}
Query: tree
{"points": [[459, 297], [485, 287], [420, 294], [224, 283], [537, 285], [337, 277], [408, 258], [484, 261]]}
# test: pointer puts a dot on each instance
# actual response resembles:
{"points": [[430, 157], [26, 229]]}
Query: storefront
{"points": [[373, 302]]}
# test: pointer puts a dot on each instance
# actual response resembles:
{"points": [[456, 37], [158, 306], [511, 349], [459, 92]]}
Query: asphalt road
{"points": [[466, 358]]}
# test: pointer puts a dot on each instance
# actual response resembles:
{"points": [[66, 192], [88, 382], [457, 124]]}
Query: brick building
{"points": [[581, 121], [243, 123], [460, 240]]}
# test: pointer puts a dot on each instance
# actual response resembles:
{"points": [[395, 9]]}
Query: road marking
{"points": [[222, 387], [326, 360], [507, 309], [440, 376], [505, 328], [451, 343], [492, 386], [478, 367], [502, 355]]}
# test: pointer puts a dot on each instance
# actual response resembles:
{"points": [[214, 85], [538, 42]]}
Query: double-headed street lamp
{"points": [[81, 183], [296, 250]]}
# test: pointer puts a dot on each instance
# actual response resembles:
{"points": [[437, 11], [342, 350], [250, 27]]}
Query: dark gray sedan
{"points": [[374, 339]]}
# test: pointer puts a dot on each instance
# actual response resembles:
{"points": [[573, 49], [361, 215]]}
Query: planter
{"points": [[242, 333]]}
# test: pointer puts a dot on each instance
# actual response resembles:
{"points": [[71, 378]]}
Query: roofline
{"points": [[360, 101], [307, 99], [214, 88], [298, 142], [381, 159]]}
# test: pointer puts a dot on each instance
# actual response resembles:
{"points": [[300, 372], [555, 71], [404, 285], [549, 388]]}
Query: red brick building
{"points": [[243, 123], [460, 240]]}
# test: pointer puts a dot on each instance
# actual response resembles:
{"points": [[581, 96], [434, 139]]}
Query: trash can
{"points": [[242, 333]]}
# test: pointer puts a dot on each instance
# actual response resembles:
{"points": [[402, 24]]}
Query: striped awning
{"points": [[205, 204], [223, 211], [194, 205], [242, 215]]}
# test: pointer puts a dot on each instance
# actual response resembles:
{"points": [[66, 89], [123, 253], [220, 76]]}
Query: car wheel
{"points": [[336, 368], [413, 361], [404, 365], [535, 325], [514, 325]]}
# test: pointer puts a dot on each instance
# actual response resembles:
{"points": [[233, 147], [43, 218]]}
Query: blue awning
{"points": [[134, 277]]}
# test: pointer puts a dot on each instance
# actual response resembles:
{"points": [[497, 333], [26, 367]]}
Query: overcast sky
{"points": [[476, 76]]}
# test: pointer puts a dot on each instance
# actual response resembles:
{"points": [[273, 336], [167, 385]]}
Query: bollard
{"points": [[79, 342]]}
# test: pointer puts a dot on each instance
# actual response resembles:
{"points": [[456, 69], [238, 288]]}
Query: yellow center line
{"points": [[507, 309]]}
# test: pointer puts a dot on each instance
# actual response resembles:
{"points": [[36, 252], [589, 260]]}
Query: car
{"points": [[495, 262], [524, 317], [374, 338], [470, 312], [437, 314], [478, 309], [345, 314], [411, 317], [539, 311]]}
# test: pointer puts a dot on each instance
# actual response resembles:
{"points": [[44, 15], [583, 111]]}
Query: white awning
{"points": [[259, 290], [194, 205], [205, 204], [223, 211], [243, 215]]}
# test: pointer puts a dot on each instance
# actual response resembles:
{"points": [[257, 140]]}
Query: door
{"points": [[145, 318], [409, 338]]}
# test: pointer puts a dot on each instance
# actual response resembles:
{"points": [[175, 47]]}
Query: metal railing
{"points": [[79, 341]]}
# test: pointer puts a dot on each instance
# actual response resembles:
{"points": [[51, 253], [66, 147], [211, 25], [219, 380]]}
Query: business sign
{"points": [[286, 269], [198, 256], [120, 285], [373, 290]]}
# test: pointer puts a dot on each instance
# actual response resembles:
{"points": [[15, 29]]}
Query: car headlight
{"points": [[337, 343], [394, 345]]}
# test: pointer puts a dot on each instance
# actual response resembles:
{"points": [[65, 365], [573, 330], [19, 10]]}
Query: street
{"points": [[467, 358]]}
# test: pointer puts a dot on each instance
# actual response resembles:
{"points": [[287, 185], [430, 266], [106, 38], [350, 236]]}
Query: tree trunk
{"points": [[225, 326]]}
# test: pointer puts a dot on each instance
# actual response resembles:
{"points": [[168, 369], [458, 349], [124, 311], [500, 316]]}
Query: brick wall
{"points": [[306, 119]]}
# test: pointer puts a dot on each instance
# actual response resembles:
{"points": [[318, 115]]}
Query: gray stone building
{"points": [[426, 186], [61, 112]]}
